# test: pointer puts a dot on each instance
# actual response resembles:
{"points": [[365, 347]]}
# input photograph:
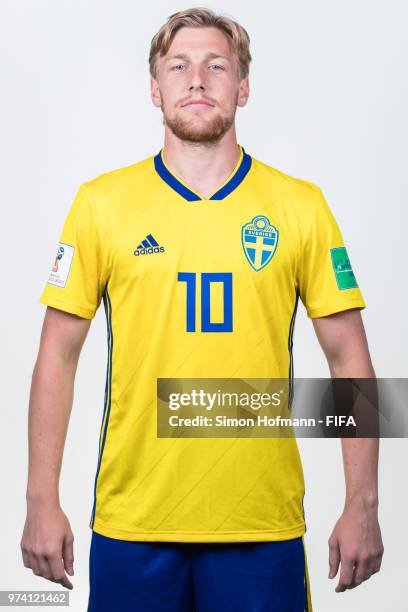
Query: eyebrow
{"points": [[211, 55]]}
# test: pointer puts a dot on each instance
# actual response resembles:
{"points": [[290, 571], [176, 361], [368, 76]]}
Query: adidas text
{"points": [[149, 250]]}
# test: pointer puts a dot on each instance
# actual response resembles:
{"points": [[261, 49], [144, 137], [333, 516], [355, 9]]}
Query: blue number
{"points": [[190, 279], [216, 277], [206, 279]]}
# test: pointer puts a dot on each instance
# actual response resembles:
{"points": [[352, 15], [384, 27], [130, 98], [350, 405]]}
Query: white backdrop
{"points": [[328, 104]]}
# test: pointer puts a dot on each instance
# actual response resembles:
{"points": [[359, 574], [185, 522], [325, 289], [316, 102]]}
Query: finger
{"points": [[376, 565], [26, 559], [361, 573], [68, 554], [346, 575], [33, 563], [58, 572], [334, 558], [371, 567], [43, 566]]}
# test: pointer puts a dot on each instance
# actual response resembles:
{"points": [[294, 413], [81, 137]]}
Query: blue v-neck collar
{"points": [[236, 177]]}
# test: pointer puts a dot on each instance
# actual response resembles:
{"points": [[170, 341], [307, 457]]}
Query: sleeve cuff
{"points": [[75, 309], [333, 307]]}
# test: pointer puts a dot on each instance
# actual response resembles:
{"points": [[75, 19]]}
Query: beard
{"points": [[195, 129]]}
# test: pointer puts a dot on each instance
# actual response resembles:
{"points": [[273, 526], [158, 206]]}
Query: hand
{"points": [[47, 543], [355, 543]]}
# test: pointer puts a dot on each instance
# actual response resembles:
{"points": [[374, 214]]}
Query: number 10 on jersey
{"points": [[206, 279]]}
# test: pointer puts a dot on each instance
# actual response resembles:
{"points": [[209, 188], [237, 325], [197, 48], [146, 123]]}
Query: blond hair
{"points": [[201, 18]]}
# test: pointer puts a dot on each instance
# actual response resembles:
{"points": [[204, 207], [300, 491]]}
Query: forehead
{"points": [[199, 42]]}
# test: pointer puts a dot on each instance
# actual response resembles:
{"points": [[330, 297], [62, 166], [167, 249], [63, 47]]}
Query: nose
{"points": [[196, 79]]}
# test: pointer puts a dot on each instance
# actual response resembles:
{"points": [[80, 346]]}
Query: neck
{"points": [[202, 166]]}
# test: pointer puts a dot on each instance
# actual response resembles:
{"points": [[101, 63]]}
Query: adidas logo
{"points": [[148, 246]]}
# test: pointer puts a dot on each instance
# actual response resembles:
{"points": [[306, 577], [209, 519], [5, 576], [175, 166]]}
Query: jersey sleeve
{"points": [[77, 276], [326, 280]]}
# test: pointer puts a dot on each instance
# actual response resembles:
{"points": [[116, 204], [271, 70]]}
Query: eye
{"points": [[217, 67], [177, 66]]}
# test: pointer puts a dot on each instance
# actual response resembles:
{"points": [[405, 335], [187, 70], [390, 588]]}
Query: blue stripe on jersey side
{"points": [[108, 391], [152, 240], [307, 609], [290, 347], [303, 511], [235, 180], [172, 181]]}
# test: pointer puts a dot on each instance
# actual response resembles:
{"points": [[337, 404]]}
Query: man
{"points": [[199, 253]]}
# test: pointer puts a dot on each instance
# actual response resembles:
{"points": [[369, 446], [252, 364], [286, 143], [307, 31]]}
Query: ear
{"points": [[243, 92], [155, 92]]}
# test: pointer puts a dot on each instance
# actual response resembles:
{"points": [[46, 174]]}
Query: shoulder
{"points": [[116, 179], [286, 187], [104, 194]]}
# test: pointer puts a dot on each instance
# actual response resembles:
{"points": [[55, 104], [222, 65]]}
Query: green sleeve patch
{"points": [[342, 268]]}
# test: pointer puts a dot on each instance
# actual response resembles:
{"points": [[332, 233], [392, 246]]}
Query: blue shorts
{"points": [[201, 577]]}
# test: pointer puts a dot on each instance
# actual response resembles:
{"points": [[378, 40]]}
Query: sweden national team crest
{"points": [[259, 241]]}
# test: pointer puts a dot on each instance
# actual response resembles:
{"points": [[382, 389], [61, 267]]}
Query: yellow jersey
{"points": [[197, 287]]}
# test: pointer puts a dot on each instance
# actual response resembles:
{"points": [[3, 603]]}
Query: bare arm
{"points": [[356, 539], [47, 540]]}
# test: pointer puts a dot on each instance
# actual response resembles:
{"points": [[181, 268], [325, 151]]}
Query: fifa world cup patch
{"points": [[342, 268], [259, 241], [62, 265]]}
